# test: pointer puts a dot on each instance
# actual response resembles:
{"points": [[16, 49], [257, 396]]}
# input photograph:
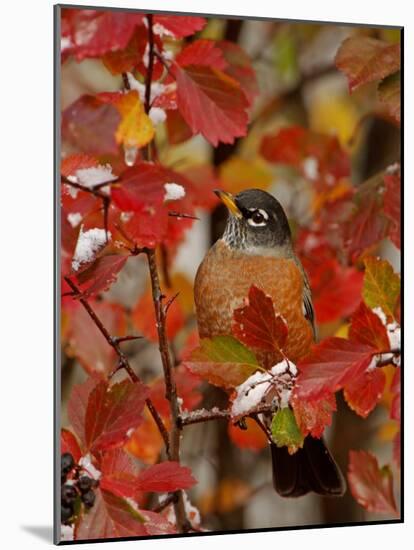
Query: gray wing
{"points": [[308, 310]]}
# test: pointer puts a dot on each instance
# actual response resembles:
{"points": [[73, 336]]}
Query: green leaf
{"points": [[381, 285], [285, 431], [222, 361]]}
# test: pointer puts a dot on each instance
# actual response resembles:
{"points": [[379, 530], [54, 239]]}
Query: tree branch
{"points": [[122, 358], [183, 525]]}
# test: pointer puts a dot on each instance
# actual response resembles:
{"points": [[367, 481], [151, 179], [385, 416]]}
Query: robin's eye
{"points": [[258, 218]]}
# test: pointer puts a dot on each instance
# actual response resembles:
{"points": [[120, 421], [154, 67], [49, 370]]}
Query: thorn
{"points": [[169, 303], [119, 339]]}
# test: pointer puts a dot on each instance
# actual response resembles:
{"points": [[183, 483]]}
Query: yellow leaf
{"points": [[334, 114], [135, 128], [339, 190], [237, 174], [381, 285], [388, 431]]}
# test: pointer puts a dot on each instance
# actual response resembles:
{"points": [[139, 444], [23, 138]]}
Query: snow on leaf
{"points": [[285, 431], [93, 33], [201, 52], [371, 486], [264, 387], [257, 325], [364, 59], [330, 365], [392, 206], [364, 392], [222, 361], [111, 412], [173, 192], [314, 415], [381, 285], [178, 26], [211, 103], [89, 244]]}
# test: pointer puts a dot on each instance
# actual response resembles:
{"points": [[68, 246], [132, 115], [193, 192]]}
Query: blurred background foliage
{"points": [[298, 84]]}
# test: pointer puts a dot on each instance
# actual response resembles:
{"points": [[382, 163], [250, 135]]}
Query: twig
{"points": [[173, 449], [203, 415], [183, 525], [123, 360], [175, 214], [172, 498]]}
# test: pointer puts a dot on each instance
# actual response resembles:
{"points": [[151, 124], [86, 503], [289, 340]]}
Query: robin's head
{"points": [[256, 222]]}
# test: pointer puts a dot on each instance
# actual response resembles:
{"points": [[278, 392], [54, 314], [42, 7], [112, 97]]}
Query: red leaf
{"points": [[364, 392], [367, 328], [392, 206], [92, 33], [371, 486], [142, 191], [256, 324], [77, 405], [119, 473], [366, 227], [313, 415], [126, 59], [89, 124], [178, 25], [69, 444], [240, 68], [110, 517], [101, 274], [177, 128], [396, 449], [201, 52], [330, 365], [87, 343], [211, 103], [295, 146], [336, 289], [395, 412], [165, 477], [364, 59], [111, 412], [253, 438], [143, 317]]}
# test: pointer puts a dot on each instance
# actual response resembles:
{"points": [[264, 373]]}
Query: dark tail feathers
{"points": [[311, 468]]}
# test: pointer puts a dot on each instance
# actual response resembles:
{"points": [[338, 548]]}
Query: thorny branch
{"points": [[122, 358]]}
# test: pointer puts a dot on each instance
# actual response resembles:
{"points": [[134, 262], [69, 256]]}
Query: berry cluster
{"points": [[77, 488]]}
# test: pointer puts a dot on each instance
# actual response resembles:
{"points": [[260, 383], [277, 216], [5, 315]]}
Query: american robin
{"points": [[256, 248]]}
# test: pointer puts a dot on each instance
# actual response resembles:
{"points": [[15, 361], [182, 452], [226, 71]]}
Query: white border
{"points": [[26, 270]]}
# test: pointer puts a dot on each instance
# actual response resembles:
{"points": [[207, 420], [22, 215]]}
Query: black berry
{"points": [[85, 483], [88, 498], [66, 463], [68, 494], [66, 513]]}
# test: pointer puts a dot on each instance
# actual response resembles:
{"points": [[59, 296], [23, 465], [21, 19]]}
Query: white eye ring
{"points": [[264, 215]]}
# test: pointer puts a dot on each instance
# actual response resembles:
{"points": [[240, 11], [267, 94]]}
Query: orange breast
{"points": [[223, 281]]}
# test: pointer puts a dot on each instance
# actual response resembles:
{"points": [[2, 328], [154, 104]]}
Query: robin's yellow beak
{"points": [[229, 201]]}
